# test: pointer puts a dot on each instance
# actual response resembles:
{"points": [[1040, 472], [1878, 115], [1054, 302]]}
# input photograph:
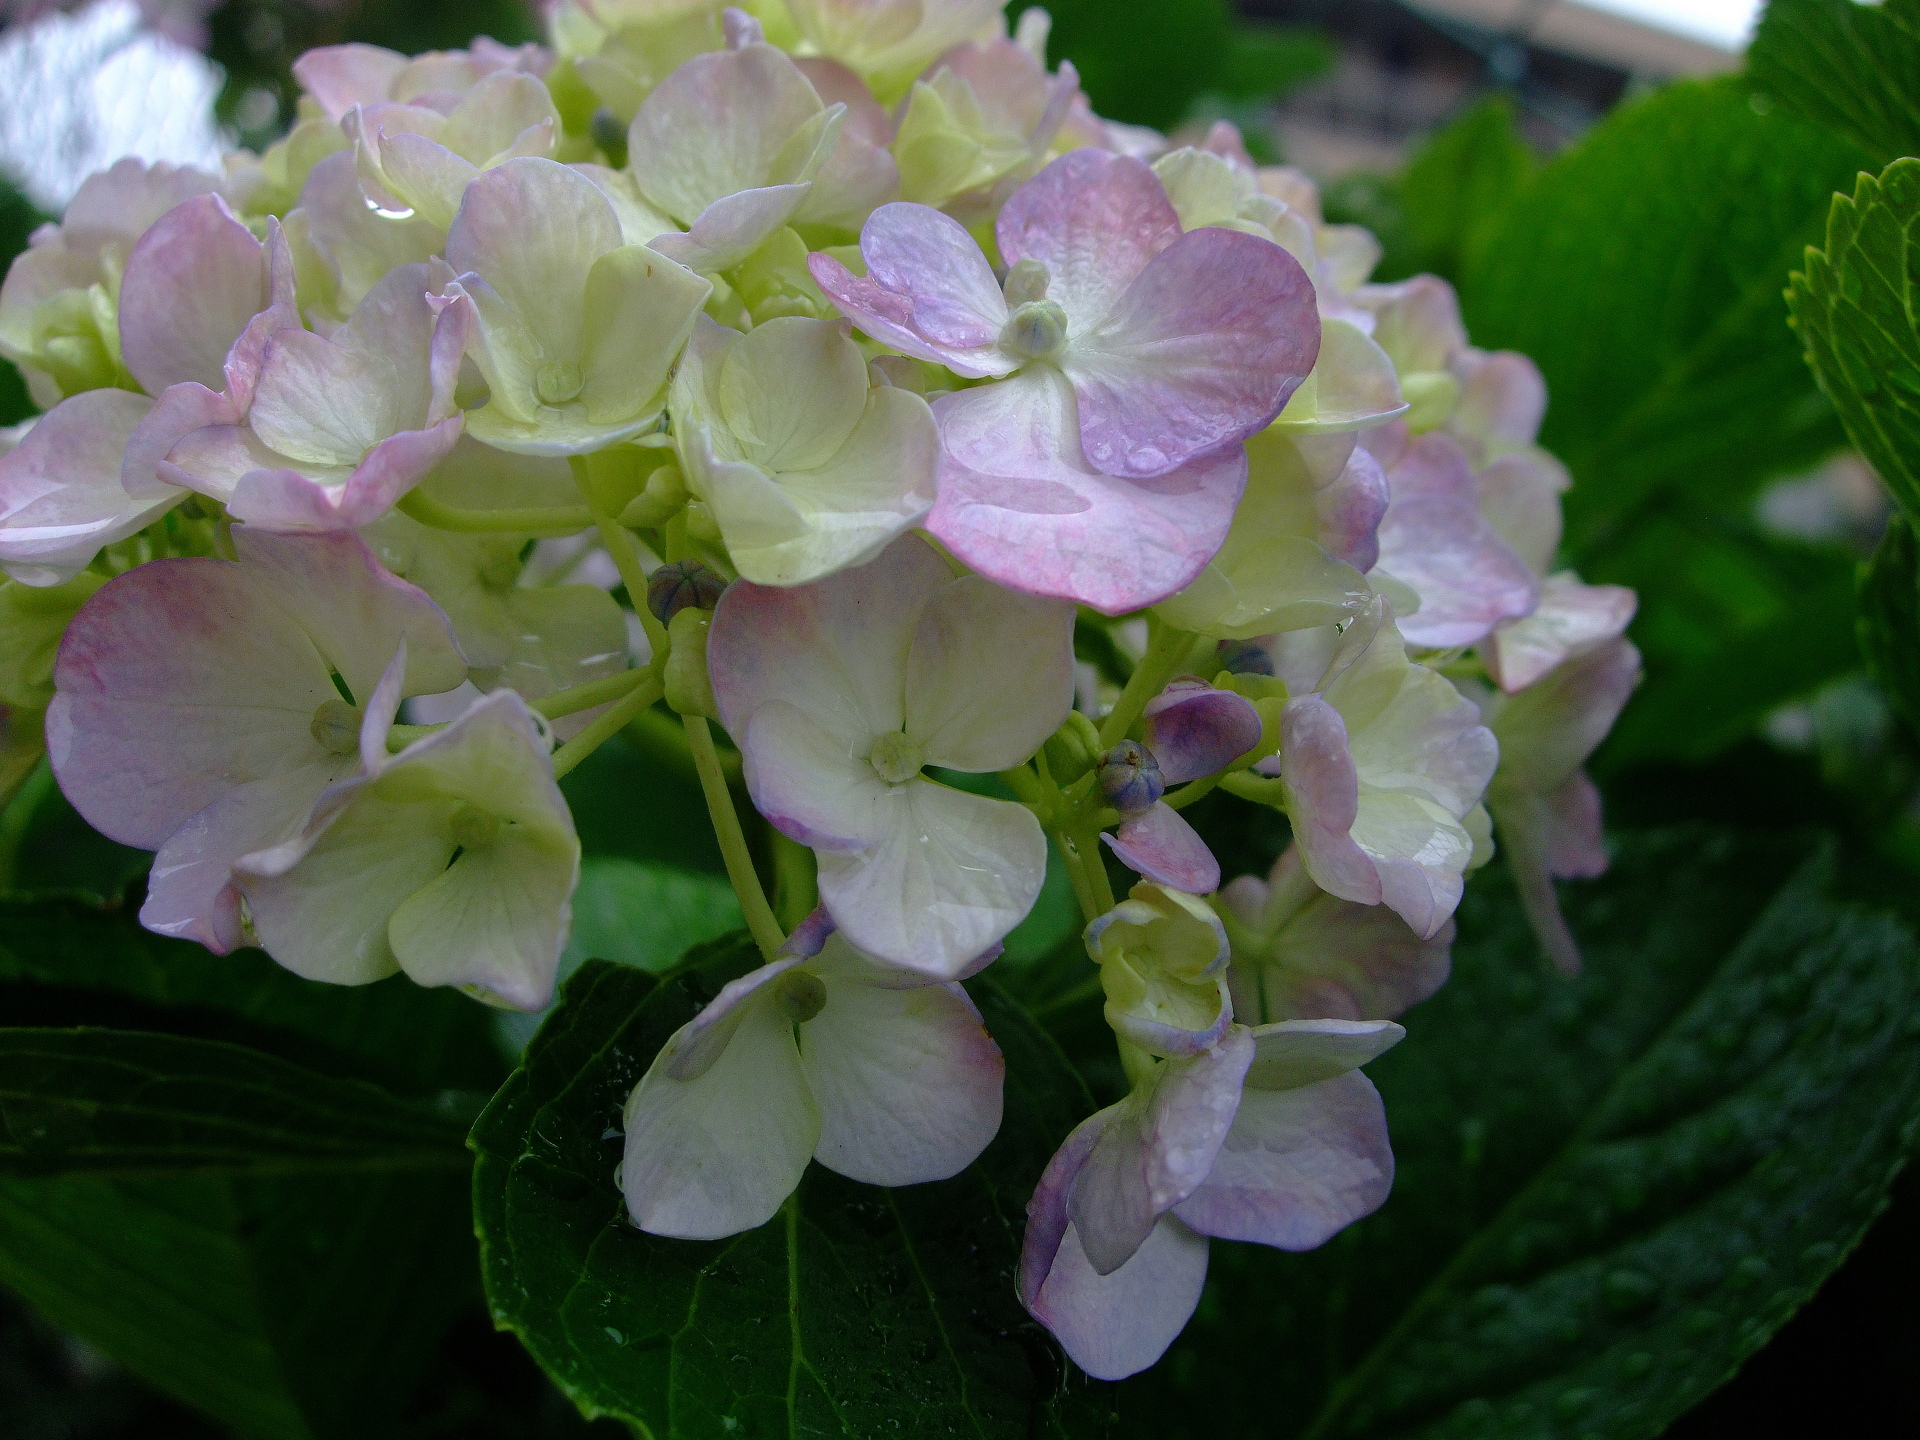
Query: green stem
{"points": [[1083, 847], [1167, 652], [626, 558], [796, 884], [585, 697], [1198, 790], [605, 726], [766, 930], [532, 520]]}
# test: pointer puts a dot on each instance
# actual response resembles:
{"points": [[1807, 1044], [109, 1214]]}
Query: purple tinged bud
{"points": [[1130, 778], [681, 585], [1245, 657], [1196, 730]]}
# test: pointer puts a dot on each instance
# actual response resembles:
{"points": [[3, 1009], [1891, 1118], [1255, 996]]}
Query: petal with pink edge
{"points": [[1202, 350], [1571, 620], [191, 285], [1195, 730], [1157, 1150], [1018, 502], [951, 875], [1163, 847], [60, 493], [1298, 1166], [907, 1080], [1323, 799], [1118, 1324], [1095, 220]]}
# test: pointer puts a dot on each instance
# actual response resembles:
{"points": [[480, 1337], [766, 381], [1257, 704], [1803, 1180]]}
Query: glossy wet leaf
{"points": [[857, 1311], [1610, 1191]]}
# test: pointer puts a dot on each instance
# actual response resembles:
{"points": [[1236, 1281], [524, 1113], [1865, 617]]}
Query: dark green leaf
{"points": [[1852, 67], [1610, 1190], [18, 218], [1146, 61], [130, 1104], [1855, 308], [1643, 272], [1890, 618], [857, 1311], [45, 845], [1265, 61], [65, 962]]}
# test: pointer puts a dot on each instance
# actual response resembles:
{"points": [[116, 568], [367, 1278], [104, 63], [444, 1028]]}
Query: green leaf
{"points": [[130, 1104], [1890, 618], [1643, 271], [1611, 1190], [1855, 307], [1455, 189], [66, 962], [18, 219], [857, 1311], [1852, 67], [646, 914], [1143, 62], [298, 1304]]}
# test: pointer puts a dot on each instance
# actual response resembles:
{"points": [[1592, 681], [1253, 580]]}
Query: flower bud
{"points": [[1037, 330], [682, 584], [1196, 730], [689, 689], [1073, 749], [1130, 778], [1161, 954], [663, 497]]}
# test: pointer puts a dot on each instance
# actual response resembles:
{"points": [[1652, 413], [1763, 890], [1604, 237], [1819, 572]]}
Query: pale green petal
{"points": [[639, 312]]}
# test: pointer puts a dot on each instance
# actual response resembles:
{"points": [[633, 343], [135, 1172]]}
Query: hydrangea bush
{"points": [[969, 478], [871, 366]]}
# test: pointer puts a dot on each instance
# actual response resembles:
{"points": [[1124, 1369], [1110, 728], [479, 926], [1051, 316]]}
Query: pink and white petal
{"points": [[1298, 1167], [1047, 1220], [716, 126], [494, 921], [1095, 220], [178, 681], [808, 785], [1576, 844], [860, 174], [190, 890], [1353, 386], [343, 76], [60, 493], [908, 1082], [1350, 508], [1119, 1324], [1337, 960], [732, 227], [1291, 1054], [885, 315], [977, 645], [1017, 501], [214, 460], [700, 1042], [1420, 852], [1195, 730], [951, 875], [1434, 539], [1163, 847], [1548, 730], [532, 228], [190, 287], [181, 411], [1202, 350], [353, 610], [1503, 399], [1571, 620], [928, 257], [1520, 496], [836, 648], [710, 1157], [285, 500], [1157, 1150], [1526, 826], [1323, 799]]}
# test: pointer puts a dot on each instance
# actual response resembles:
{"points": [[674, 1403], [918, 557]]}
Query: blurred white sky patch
{"points": [[77, 92], [1725, 23]]}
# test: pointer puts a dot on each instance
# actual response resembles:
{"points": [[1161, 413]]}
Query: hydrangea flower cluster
{"points": [[820, 368]]}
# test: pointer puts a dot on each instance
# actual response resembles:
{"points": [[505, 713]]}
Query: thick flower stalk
{"points": [[821, 389]]}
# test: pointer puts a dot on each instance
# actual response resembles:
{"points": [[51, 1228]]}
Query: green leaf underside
{"points": [[1851, 67], [1854, 306], [1610, 1192], [857, 1311], [129, 1104], [289, 1268], [1890, 618]]}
